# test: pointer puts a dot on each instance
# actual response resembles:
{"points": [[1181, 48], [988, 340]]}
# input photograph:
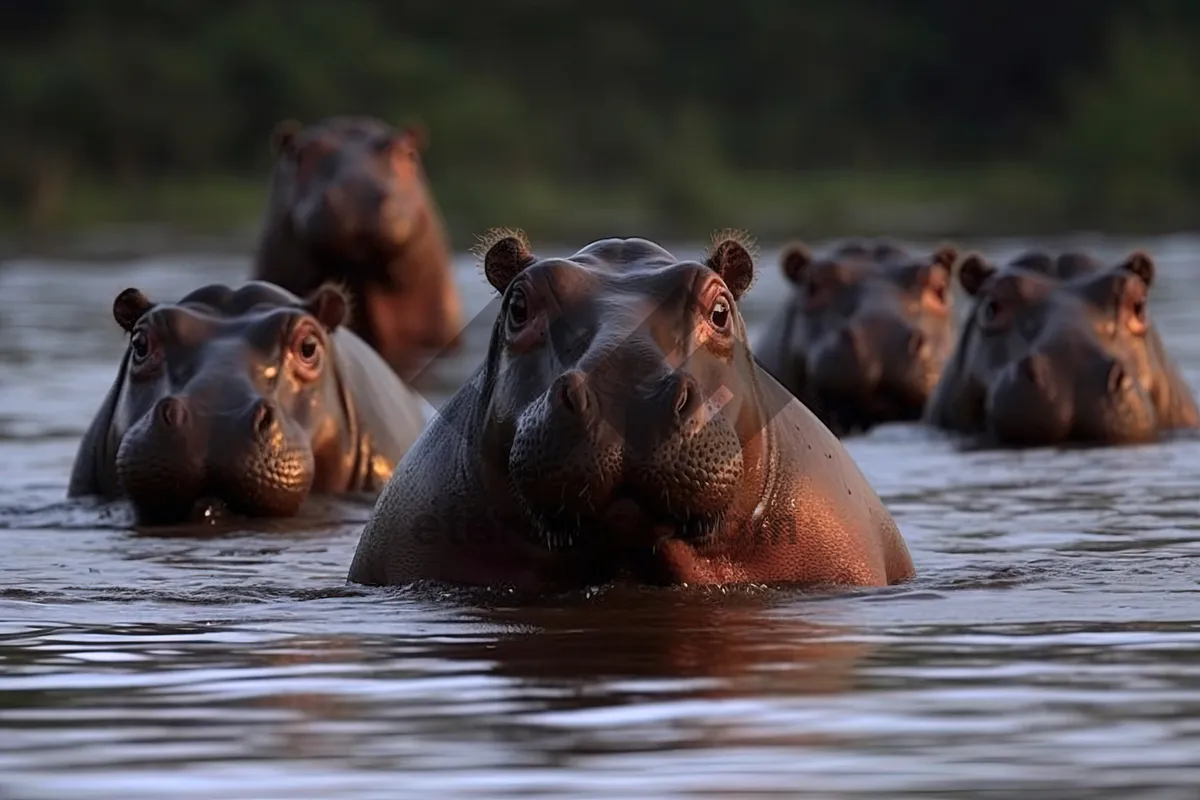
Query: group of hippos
{"points": [[620, 427]]}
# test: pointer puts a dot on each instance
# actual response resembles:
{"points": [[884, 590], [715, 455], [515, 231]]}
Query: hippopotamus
{"points": [[1058, 350], [349, 202], [865, 332], [620, 430], [251, 396]]}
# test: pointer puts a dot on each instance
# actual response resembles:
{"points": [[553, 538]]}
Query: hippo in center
{"points": [[865, 333], [1059, 350], [248, 395], [349, 202], [620, 429]]}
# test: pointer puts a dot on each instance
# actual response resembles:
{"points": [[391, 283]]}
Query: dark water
{"points": [[1051, 643]]}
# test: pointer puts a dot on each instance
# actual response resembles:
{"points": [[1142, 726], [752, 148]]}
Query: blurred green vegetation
{"points": [[789, 117]]}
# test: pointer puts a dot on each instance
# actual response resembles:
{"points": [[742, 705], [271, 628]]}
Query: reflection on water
{"points": [[1051, 642]]}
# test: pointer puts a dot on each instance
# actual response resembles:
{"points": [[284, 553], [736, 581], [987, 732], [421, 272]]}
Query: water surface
{"points": [[1051, 642]]}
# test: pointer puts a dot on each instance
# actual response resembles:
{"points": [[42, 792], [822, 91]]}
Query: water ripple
{"points": [[1050, 644]]}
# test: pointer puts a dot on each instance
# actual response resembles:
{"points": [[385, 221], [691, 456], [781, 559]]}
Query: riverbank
{"points": [[221, 215]]}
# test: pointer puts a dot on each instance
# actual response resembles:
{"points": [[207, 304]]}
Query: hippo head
{"points": [[352, 187], [350, 203], [1060, 349], [620, 392], [869, 330], [228, 394]]}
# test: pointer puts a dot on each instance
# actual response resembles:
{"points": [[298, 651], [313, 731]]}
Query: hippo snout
{"points": [[348, 211], [875, 368], [160, 462], [173, 412], [570, 390], [359, 215], [1030, 404], [182, 450], [868, 355], [355, 204], [1040, 399], [588, 447], [846, 364], [262, 420]]}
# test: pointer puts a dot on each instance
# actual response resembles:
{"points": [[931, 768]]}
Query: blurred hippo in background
{"points": [[349, 202], [250, 396], [865, 333], [1061, 349]]}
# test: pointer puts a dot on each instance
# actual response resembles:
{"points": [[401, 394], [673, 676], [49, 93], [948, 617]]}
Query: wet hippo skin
{"points": [[620, 429], [249, 395]]}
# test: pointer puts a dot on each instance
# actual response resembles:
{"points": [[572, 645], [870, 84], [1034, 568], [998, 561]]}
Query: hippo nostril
{"points": [[687, 396], [264, 417], [916, 341], [573, 392], [1034, 369], [173, 412], [1118, 379]]}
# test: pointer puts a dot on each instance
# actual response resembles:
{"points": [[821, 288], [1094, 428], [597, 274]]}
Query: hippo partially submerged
{"points": [[865, 333], [1060, 350], [620, 428], [349, 202], [252, 396]]}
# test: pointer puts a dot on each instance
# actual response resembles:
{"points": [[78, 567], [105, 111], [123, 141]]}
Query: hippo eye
{"points": [[989, 312], [308, 348], [140, 345], [993, 315], [306, 353], [518, 310], [719, 315]]}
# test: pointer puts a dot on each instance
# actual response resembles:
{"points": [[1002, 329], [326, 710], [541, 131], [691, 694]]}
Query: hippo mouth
{"points": [[169, 482], [212, 505], [625, 522]]}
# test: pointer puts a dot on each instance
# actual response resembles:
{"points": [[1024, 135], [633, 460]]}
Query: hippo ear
{"points": [[795, 259], [973, 273], [505, 255], [283, 136], [330, 305], [129, 307], [945, 255], [732, 259], [1141, 264], [415, 135]]}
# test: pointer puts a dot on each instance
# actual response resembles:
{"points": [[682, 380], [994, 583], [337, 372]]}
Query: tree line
{"points": [[676, 105]]}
